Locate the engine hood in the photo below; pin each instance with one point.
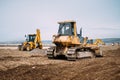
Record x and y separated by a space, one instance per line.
66 40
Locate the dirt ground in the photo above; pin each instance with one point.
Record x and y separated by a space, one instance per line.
34 65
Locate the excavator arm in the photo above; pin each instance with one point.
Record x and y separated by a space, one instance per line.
38 39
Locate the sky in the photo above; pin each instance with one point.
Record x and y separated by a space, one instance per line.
98 18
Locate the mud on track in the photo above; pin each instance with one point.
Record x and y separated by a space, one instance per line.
34 65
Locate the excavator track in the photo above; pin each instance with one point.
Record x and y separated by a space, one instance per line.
85 53
71 54
77 53
50 53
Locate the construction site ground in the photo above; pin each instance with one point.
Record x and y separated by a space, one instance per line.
34 65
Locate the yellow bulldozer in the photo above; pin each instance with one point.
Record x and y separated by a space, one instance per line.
72 45
32 41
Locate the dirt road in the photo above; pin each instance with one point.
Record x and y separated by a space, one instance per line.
34 65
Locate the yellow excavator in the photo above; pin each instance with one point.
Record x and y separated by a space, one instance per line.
98 42
89 42
32 41
72 45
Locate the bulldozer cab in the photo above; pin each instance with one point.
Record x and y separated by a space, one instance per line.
30 37
67 28
67 34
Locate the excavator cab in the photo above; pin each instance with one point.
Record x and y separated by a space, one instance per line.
30 37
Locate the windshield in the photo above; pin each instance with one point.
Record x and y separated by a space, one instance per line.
65 29
30 38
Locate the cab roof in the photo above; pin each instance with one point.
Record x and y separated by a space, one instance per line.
68 21
32 34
